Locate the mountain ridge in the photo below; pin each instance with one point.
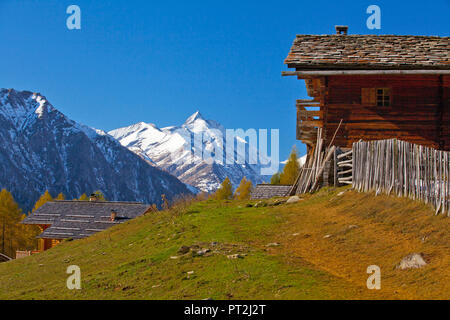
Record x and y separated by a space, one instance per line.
42 150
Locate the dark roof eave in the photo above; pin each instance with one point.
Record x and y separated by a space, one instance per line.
335 67
60 237
36 222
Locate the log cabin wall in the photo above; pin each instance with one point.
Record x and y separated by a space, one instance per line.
445 129
418 111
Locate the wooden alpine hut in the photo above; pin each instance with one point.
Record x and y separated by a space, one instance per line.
380 87
379 113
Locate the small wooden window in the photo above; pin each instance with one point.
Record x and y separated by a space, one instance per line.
380 97
383 97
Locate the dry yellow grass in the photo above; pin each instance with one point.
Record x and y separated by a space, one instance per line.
388 229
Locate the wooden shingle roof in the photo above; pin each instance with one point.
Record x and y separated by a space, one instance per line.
80 219
365 52
267 191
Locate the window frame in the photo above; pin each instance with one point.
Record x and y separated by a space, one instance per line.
385 97
371 96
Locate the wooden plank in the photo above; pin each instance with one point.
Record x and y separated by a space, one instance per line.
345 154
312 123
311 113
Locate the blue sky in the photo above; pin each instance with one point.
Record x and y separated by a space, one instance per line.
160 61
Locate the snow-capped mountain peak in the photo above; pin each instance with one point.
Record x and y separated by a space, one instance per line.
192 118
175 149
197 123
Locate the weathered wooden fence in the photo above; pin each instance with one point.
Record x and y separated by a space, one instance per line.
403 168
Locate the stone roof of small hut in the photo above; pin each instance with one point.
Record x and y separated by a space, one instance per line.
80 219
267 191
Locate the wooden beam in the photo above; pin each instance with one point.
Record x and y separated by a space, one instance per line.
345 172
441 115
306 100
345 161
311 123
322 167
311 113
304 104
335 168
342 155
360 72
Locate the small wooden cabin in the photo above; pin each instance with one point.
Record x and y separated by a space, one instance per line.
380 87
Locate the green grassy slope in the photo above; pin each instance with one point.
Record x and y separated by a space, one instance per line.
140 259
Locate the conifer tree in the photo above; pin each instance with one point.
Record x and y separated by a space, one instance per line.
60 197
164 202
275 178
291 169
243 190
225 191
27 235
83 197
46 197
100 195
10 215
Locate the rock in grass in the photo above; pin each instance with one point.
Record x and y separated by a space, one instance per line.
293 199
235 256
260 204
189 274
273 244
202 252
412 261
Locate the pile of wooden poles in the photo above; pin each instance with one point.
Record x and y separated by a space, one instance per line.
405 169
309 176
